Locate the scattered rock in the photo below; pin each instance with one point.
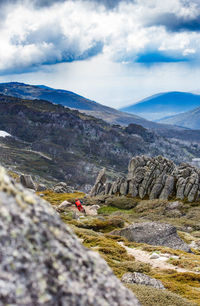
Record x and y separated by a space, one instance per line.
195 245
27 181
42 261
154 256
141 279
41 187
175 213
92 210
173 205
155 234
64 205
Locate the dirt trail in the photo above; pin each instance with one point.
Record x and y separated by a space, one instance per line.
155 263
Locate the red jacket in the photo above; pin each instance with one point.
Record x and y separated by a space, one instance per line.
78 205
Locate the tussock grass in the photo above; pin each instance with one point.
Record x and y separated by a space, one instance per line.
150 296
58 198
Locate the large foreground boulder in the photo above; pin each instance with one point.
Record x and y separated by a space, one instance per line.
42 261
155 234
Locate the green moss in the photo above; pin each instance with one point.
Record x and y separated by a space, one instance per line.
104 226
107 210
122 202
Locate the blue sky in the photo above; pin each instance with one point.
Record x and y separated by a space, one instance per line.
114 52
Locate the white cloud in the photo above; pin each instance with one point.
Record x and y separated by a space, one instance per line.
74 30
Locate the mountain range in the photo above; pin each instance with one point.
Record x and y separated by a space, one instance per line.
164 105
190 119
91 108
74 101
57 143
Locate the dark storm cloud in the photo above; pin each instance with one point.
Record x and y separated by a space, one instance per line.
175 23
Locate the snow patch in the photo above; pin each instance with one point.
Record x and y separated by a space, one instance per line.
4 134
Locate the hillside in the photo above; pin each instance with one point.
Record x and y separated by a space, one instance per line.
163 104
110 115
190 119
57 143
74 101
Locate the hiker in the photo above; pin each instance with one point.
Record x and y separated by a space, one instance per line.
79 206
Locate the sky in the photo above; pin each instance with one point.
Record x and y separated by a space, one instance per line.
115 52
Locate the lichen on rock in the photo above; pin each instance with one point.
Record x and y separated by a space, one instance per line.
42 261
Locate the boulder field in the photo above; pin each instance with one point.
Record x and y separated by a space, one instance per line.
153 178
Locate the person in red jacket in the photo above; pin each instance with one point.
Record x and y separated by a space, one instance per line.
79 206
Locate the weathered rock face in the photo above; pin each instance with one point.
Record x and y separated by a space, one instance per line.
27 181
155 178
155 234
141 279
43 263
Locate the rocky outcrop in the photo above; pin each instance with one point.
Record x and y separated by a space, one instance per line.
42 261
62 187
141 279
27 181
155 178
99 185
155 234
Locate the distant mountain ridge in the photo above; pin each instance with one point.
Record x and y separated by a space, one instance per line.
190 119
164 105
74 101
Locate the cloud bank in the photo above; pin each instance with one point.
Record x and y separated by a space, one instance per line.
36 33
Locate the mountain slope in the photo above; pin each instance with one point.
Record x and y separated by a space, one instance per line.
110 115
66 145
72 100
164 104
189 119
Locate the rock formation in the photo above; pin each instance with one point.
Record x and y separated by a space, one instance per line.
62 187
154 178
42 261
99 184
27 181
155 234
